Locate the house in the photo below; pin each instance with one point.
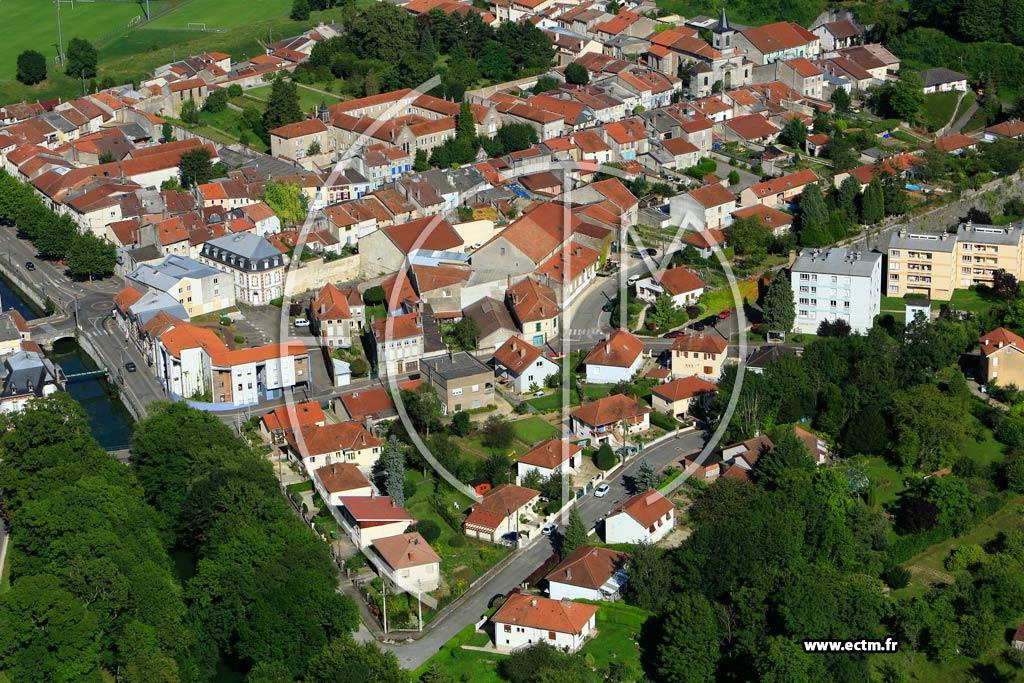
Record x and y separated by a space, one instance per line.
705 242
534 309
955 143
333 482
461 381
777 222
499 512
368 406
199 288
1010 129
836 284
684 154
275 425
553 456
610 420
816 446
745 454
1002 357
183 356
1018 638
781 40
678 396
525 620
246 376
386 250
615 359
494 320
400 343
255 265
522 365
752 128
335 442
407 563
710 206
331 319
706 469
835 35
778 192
699 354
28 375
589 573
644 518
368 518
681 285
943 80
295 141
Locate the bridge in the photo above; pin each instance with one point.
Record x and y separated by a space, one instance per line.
49 330
80 376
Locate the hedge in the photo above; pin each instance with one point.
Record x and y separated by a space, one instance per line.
910 545
664 421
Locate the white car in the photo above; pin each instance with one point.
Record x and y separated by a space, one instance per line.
301 322
548 529
633 279
538 393
602 491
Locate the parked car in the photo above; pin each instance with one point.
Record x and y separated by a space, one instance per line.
633 279
725 314
674 333
608 306
698 326
511 537
602 491
711 320
494 600
301 322
29 265
130 366
538 393
548 529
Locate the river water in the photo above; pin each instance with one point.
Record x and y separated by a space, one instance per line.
109 420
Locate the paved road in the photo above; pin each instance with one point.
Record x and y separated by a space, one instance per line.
474 603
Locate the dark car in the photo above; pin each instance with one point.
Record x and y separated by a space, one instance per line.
698 326
130 366
608 306
29 265
674 333
494 599
711 320
651 252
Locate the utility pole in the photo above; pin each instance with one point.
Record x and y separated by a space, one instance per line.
60 36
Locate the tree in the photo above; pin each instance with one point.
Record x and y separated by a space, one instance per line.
382 31
427 53
498 433
794 133
189 112
195 167
575 533
374 296
1015 475
544 84
929 426
779 310
81 59
462 423
646 477
300 10
605 457
688 649
903 98
872 203
612 7
1004 285
421 162
287 200
576 74
814 218
749 237
393 465
465 127
283 104
313 149
466 333
496 62
31 67
734 177
496 469
167 132
841 98
89 256
790 454
650 577
662 311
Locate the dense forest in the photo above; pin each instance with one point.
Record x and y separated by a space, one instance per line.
94 594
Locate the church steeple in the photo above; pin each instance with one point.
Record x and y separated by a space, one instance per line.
723 33
723 22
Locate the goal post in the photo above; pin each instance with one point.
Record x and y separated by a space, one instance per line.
196 26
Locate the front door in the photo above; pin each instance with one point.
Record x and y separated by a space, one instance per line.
538 339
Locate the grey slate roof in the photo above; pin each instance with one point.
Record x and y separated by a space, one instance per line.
836 262
923 241
243 251
27 372
941 75
457 365
152 302
1008 235
165 275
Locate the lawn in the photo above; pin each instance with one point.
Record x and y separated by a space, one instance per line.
970 300
308 99
220 15
983 452
938 108
553 402
533 429
720 299
886 480
470 665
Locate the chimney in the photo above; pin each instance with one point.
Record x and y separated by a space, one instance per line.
568 574
533 602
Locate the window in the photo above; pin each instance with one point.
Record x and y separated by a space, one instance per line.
537 329
551 635
508 628
457 392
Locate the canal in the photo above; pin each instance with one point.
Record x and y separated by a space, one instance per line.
109 420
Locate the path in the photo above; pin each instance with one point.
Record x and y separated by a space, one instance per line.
962 121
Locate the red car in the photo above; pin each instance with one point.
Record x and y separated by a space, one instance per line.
674 333
725 314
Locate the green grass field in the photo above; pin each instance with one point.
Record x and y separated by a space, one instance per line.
308 99
533 429
32 25
220 15
938 108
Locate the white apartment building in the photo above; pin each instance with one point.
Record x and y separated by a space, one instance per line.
836 284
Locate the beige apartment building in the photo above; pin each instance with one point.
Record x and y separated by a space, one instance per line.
933 265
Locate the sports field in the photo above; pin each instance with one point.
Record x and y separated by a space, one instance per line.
32 25
221 14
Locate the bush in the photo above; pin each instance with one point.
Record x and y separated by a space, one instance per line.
374 296
279 302
605 457
429 530
234 90
239 338
359 367
896 577
457 541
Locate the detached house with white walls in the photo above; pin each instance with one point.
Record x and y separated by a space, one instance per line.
522 365
367 519
525 620
407 563
553 456
610 420
333 482
589 573
333 443
645 518
616 359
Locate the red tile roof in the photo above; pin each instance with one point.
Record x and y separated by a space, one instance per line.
549 454
331 304
533 301
259 353
406 550
300 129
610 409
678 281
620 350
646 508
588 567
705 239
314 439
700 343
341 477
398 327
291 416
369 509
783 184
752 127
771 218
683 388
188 336
431 232
997 339
126 298
367 403
516 354
713 195
778 37
545 614
954 142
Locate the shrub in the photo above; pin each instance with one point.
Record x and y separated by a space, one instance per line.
239 338
429 530
896 577
359 367
457 541
664 421
605 457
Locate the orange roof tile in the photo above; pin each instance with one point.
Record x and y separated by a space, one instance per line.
700 343
620 350
646 508
549 454
609 410
683 388
545 614
405 550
